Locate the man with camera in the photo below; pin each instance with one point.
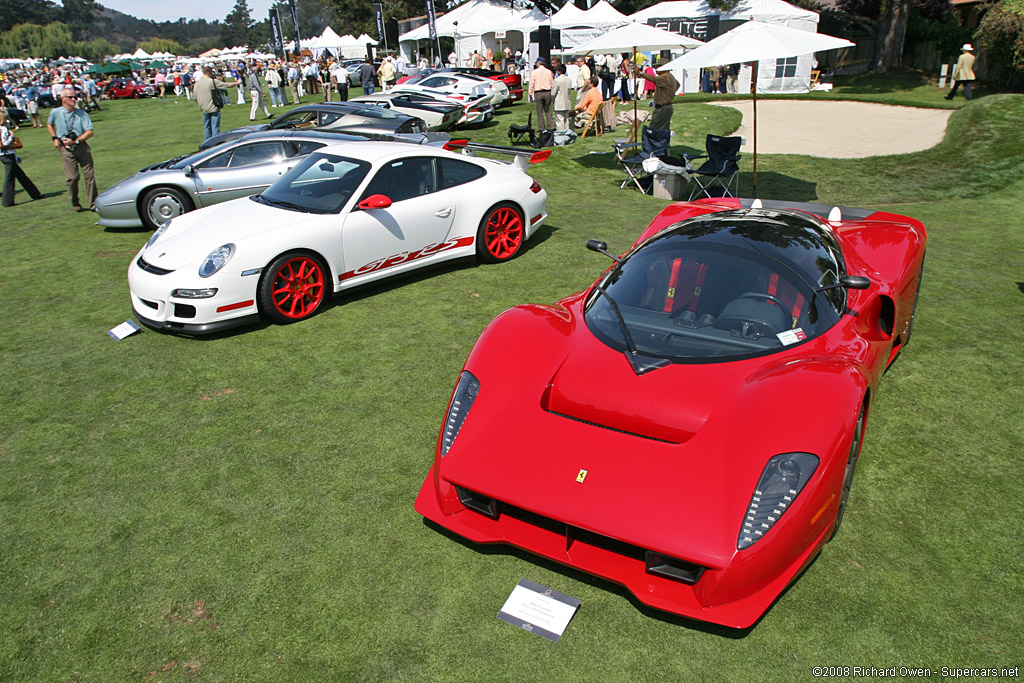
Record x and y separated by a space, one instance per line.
70 127
211 95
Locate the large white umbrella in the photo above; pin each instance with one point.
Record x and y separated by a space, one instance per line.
630 38
752 42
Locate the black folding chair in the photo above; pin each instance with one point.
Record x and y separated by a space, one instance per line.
721 170
654 143
524 134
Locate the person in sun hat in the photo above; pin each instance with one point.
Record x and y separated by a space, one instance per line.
963 72
665 87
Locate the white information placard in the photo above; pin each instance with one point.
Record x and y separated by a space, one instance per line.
126 328
539 609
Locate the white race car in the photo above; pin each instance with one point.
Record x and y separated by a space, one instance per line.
457 83
344 216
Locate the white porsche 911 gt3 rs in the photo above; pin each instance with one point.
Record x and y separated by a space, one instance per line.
340 218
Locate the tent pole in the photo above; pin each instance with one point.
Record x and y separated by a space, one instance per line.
755 129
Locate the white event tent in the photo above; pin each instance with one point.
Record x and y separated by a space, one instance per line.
789 75
480 23
580 26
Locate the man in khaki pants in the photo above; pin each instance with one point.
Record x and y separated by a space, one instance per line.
70 127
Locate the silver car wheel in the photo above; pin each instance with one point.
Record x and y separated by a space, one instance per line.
163 204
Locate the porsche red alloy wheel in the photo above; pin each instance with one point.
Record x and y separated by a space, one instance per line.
502 233
298 287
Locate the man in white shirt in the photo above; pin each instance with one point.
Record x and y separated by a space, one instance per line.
273 83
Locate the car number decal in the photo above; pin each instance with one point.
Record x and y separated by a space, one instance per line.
405 257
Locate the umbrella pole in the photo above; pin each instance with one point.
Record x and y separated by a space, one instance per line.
755 129
636 124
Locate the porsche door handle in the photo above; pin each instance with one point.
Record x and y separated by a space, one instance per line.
443 213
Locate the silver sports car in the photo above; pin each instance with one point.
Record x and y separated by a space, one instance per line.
239 168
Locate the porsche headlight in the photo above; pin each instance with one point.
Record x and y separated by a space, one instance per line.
156 234
465 393
781 482
217 259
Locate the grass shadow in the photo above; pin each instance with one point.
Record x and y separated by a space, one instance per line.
874 84
772 185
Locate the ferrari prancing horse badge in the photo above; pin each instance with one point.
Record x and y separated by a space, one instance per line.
581 476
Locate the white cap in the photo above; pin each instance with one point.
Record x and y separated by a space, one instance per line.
968 47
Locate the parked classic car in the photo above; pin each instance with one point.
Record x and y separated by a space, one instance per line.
122 88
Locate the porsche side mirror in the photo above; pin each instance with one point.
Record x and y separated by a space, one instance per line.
854 282
601 248
375 201
189 171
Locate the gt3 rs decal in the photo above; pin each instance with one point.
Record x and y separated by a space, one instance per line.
405 257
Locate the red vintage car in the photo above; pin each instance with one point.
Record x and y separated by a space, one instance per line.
122 88
689 425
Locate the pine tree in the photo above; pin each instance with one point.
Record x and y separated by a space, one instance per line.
235 29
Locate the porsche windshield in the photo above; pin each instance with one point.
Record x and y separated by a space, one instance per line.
721 287
320 183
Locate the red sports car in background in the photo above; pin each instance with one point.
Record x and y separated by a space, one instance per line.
122 88
513 81
689 425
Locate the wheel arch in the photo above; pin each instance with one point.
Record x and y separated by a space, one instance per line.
304 250
189 194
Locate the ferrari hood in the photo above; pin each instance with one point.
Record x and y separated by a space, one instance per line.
189 238
657 405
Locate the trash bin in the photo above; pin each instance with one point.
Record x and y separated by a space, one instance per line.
668 186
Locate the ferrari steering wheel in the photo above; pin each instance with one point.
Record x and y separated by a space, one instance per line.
770 298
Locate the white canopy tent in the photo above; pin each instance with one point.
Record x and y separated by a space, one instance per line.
478 25
790 74
578 26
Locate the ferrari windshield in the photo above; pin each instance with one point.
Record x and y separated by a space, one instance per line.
321 183
721 287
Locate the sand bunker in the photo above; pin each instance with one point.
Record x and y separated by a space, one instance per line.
839 130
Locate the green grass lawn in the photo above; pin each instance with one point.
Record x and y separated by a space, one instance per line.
241 507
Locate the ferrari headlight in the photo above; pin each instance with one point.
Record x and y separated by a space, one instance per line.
217 259
156 234
781 482
465 393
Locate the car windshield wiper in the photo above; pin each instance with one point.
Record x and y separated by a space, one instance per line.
287 205
631 354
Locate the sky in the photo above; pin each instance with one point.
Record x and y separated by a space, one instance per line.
172 10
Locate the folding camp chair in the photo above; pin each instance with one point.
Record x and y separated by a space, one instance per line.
524 134
596 122
721 170
654 144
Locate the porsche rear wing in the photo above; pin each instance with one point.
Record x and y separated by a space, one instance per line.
522 158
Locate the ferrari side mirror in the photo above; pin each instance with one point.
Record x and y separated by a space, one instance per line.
189 171
854 282
601 248
375 201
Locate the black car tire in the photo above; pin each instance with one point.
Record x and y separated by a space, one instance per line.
161 204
